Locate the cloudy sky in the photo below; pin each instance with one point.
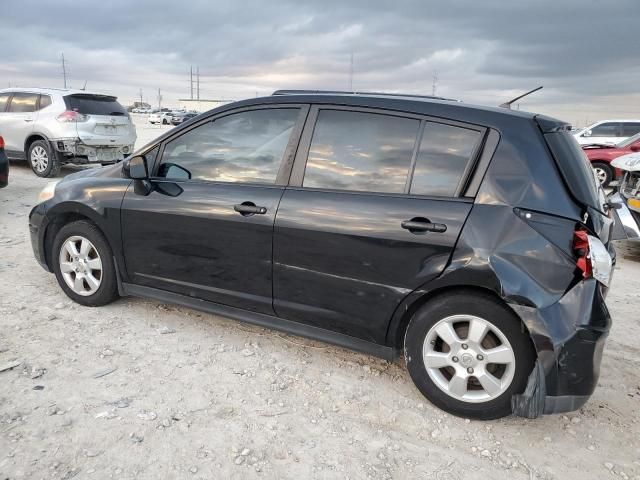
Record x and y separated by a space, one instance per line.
586 53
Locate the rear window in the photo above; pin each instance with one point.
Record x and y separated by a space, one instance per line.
575 168
94 104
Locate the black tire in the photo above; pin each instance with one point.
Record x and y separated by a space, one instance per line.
107 292
490 310
34 157
606 170
165 122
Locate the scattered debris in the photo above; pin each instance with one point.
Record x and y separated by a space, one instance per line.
104 372
166 330
147 415
9 366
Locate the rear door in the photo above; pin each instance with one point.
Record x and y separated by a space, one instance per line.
106 124
372 212
206 227
18 121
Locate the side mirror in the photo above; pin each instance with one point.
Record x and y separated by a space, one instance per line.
137 168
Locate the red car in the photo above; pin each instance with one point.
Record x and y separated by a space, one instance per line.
601 156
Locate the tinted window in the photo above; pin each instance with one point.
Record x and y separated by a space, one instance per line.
4 98
442 158
243 147
360 151
45 101
630 129
94 104
606 130
23 102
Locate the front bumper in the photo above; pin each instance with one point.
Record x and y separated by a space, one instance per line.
4 169
569 337
38 223
627 223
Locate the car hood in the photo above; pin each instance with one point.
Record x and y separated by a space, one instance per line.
630 162
111 171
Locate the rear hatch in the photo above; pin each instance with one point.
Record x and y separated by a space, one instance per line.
579 178
107 122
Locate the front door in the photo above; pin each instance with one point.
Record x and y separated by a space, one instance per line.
18 121
373 213
205 229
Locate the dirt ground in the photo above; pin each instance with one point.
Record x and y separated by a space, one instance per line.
139 389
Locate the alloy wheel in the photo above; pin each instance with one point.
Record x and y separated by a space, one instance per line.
601 174
469 358
80 265
39 159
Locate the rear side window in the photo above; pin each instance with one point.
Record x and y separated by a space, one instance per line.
94 105
360 151
23 102
442 159
45 101
630 129
4 99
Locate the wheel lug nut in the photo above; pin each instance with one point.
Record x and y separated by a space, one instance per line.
469 370
465 346
480 357
455 359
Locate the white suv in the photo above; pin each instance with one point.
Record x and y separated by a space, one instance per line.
607 132
50 127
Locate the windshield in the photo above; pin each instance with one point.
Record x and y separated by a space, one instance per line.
94 104
629 141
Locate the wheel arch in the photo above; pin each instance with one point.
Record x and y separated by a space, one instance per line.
33 137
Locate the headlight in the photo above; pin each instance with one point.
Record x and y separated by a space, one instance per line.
48 192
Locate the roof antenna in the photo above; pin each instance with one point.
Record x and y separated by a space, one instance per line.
508 104
85 86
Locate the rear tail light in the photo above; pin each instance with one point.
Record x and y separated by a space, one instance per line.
593 258
71 116
1 143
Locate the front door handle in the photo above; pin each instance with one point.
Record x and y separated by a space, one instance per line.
416 225
249 208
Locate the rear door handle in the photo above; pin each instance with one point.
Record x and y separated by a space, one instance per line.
28 119
423 226
248 208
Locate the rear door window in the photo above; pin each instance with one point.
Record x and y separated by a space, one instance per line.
94 105
629 129
608 129
23 102
360 151
445 151
4 99
45 101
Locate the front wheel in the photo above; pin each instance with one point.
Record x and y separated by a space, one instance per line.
468 355
43 160
83 264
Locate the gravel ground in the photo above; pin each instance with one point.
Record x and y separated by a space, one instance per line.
146 390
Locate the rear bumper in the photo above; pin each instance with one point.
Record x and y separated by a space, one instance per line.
569 337
74 150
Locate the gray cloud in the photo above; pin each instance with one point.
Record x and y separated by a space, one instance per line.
583 51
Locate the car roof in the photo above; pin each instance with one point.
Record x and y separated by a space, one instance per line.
52 91
482 115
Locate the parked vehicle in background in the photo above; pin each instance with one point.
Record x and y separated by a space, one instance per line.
608 132
627 197
181 117
50 127
473 241
161 117
601 156
4 165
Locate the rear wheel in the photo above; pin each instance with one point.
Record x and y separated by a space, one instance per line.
468 355
604 173
42 159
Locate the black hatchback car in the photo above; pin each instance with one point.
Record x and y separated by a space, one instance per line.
473 240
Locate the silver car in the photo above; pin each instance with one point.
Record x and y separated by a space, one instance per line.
50 127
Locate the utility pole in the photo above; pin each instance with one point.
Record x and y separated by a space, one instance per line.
141 97
64 71
198 79
159 100
434 86
191 81
351 74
